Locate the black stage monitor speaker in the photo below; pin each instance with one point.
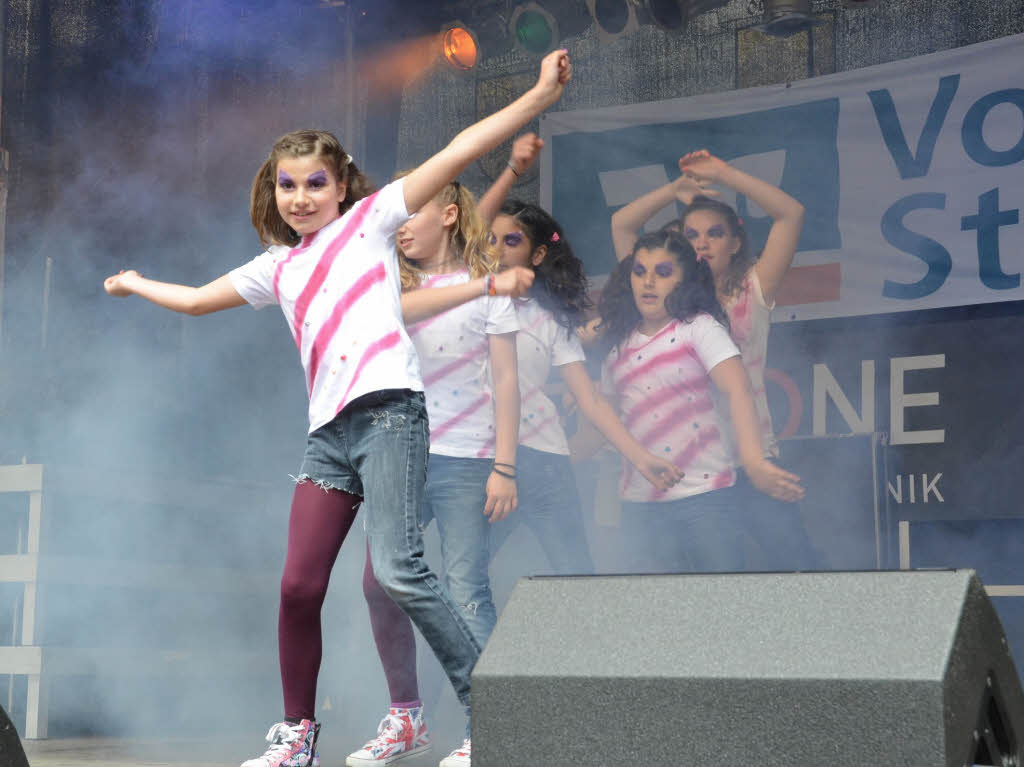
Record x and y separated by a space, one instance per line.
11 752
773 670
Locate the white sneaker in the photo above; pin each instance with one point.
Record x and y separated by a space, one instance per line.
291 745
401 734
457 758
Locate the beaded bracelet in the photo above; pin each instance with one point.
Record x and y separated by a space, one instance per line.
489 288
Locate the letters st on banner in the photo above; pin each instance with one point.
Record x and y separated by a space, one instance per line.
912 174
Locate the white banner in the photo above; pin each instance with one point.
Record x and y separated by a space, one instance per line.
912 174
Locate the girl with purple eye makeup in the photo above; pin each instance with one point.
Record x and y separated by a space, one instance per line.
746 284
670 359
331 265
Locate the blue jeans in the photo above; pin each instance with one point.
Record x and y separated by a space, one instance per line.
455 496
377 448
549 505
701 533
777 528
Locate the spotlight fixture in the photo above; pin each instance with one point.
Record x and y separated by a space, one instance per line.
459 46
783 18
670 15
538 28
614 18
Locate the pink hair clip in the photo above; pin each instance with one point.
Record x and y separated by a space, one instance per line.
740 220
555 237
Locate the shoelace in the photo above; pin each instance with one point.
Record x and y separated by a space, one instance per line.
390 722
281 737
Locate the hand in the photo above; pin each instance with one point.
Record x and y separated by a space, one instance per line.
555 72
687 187
513 282
776 482
703 167
588 333
120 284
524 152
659 472
502 497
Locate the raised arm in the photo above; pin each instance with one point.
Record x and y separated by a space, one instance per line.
524 152
212 297
423 184
598 411
731 379
787 214
502 495
628 222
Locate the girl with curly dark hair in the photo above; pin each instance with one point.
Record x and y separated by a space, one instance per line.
671 356
525 235
746 283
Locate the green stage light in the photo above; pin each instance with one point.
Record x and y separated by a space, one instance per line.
534 29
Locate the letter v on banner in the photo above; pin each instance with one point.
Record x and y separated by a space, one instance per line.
913 165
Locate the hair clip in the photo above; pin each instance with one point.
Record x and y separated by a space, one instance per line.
739 220
555 237
348 159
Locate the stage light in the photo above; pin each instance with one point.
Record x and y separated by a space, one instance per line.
534 29
613 17
538 28
670 15
783 18
459 46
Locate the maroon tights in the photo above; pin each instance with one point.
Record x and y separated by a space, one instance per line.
320 520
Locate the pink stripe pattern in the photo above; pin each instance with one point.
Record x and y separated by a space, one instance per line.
327 332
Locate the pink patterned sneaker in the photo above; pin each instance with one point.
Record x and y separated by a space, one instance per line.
459 757
401 734
291 745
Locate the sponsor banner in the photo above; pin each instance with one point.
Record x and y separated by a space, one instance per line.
912 174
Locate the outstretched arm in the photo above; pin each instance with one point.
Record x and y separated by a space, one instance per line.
786 213
524 151
212 297
659 472
423 184
731 379
628 222
421 304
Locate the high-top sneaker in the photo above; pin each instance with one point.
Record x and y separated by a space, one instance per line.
291 745
459 757
401 734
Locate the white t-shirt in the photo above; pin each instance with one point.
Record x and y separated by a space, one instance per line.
750 319
454 352
340 293
540 345
666 398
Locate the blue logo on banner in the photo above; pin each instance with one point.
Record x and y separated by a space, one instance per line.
807 132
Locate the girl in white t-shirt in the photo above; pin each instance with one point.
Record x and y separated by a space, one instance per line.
526 235
468 360
331 267
746 284
670 356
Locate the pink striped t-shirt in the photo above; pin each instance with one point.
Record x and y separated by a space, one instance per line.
666 399
750 319
340 293
454 353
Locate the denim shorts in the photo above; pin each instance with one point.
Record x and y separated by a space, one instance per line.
334 451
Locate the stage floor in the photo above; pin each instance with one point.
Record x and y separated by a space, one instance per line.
131 752
177 752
